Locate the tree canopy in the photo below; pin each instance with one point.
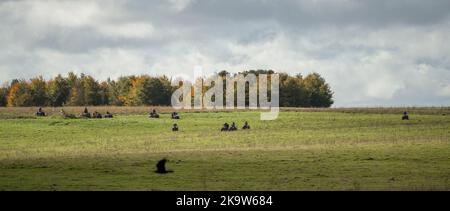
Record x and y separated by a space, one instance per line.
84 90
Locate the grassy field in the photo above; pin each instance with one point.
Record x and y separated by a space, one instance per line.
301 150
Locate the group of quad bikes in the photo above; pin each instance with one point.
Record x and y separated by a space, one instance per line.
154 114
174 115
85 114
233 127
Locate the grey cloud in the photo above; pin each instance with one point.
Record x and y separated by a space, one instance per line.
372 52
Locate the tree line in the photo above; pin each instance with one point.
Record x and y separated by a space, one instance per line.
84 90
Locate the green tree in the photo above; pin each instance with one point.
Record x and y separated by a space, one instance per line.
319 91
38 89
91 91
104 93
3 96
146 90
58 91
293 93
158 91
223 73
111 92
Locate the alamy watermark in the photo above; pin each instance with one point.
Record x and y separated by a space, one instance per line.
240 91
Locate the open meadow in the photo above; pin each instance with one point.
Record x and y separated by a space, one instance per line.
304 149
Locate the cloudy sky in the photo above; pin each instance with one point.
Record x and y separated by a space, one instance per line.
373 53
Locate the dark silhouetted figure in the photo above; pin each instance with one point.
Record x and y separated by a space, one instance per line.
405 116
225 127
40 112
153 114
86 113
108 115
161 167
175 115
246 126
97 115
175 127
233 127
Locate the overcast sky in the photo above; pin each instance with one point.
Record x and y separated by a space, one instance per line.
373 53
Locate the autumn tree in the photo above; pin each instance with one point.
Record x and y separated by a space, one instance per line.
120 90
75 94
137 94
83 90
19 94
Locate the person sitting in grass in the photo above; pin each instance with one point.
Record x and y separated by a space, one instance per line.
233 127
175 115
246 126
86 113
175 127
153 114
108 115
40 112
405 116
225 127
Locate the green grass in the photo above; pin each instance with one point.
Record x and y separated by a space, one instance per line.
298 151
